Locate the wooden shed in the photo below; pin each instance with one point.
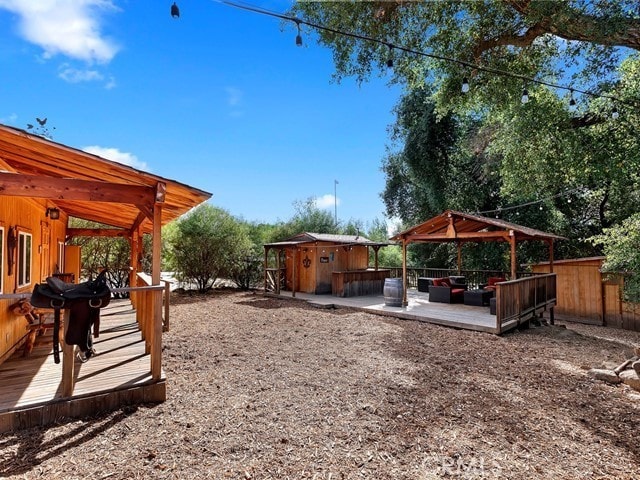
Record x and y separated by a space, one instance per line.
324 263
42 185
587 295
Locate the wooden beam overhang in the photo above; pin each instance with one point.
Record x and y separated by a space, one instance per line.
19 185
461 236
97 232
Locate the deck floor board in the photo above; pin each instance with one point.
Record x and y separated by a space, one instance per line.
120 363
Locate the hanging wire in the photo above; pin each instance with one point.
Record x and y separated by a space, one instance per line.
434 56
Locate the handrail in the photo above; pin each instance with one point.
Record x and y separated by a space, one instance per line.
519 300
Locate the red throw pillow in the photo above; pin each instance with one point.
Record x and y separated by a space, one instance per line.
494 280
446 282
437 282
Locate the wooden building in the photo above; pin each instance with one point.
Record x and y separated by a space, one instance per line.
324 263
42 185
587 295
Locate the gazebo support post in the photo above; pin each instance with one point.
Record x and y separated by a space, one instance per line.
459 245
512 242
404 273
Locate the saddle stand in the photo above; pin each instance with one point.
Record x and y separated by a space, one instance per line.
84 301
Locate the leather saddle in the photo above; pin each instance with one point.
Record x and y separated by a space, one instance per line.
83 300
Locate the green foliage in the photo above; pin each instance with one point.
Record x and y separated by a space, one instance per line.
209 244
621 245
307 218
98 253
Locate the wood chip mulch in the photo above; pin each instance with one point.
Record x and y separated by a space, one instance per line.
273 388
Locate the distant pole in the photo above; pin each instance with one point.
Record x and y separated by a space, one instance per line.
335 202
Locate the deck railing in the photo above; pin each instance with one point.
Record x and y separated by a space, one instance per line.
474 278
517 301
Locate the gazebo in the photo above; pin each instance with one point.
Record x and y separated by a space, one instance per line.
461 228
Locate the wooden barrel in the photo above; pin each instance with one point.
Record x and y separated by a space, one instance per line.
393 292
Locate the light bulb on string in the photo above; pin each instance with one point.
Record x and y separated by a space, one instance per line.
390 58
299 36
615 114
525 96
175 11
465 85
572 101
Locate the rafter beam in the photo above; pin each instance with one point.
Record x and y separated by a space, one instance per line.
97 232
18 185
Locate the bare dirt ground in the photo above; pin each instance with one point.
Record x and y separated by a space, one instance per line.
264 388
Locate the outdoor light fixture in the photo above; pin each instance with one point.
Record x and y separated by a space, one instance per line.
175 11
390 58
465 85
299 36
572 101
525 96
53 213
614 113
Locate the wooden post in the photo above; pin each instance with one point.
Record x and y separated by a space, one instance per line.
514 267
459 245
376 248
167 296
293 281
67 359
156 329
405 301
552 319
133 264
278 255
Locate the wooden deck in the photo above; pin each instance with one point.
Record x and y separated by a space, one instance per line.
450 315
30 387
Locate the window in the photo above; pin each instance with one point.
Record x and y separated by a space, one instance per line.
24 259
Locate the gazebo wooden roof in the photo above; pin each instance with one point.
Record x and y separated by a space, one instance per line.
453 226
459 227
87 186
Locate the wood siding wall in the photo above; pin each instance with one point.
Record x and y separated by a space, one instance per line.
585 295
322 259
578 289
26 216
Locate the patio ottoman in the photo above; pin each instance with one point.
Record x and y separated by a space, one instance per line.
424 283
478 298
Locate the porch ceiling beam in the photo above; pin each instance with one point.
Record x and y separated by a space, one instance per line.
468 236
97 232
18 185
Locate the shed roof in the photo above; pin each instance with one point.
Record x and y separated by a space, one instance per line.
31 155
307 237
451 226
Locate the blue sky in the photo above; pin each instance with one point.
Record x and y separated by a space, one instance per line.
220 99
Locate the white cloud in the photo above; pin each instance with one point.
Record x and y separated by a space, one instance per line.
66 27
117 156
326 201
74 75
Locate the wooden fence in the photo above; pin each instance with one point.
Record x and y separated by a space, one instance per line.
517 301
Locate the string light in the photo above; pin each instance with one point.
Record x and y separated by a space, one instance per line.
572 101
424 54
390 58
525 96
465 85
299 36
175 11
